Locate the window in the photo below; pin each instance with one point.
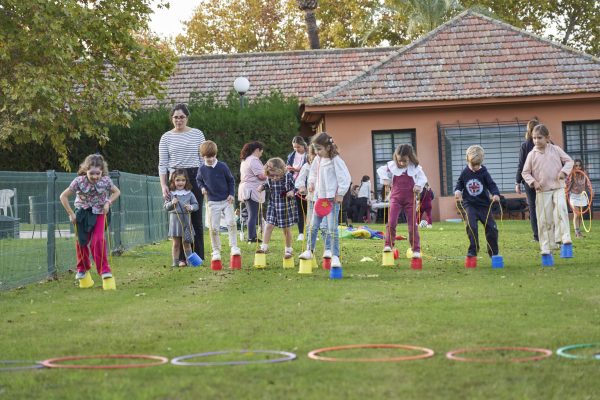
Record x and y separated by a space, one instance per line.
501 142
384 144
582 140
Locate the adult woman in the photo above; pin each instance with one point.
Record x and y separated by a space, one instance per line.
526 147
178 149
363 199
295 160
252 176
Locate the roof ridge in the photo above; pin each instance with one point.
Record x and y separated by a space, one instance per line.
289 52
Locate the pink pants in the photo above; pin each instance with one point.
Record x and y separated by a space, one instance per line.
97 243
406 203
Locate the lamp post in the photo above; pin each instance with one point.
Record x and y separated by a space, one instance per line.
241 85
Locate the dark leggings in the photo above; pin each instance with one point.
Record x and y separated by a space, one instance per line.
301 206
530 192
196 217
252 207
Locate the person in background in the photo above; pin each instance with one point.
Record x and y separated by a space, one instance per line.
426 207
363 199
526 148
578 197
252 176
295 160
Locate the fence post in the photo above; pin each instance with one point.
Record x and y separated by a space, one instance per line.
117 220
51 213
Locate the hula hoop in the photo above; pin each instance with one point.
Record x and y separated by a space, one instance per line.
179 360
426 353
10 362
563 351
544 353
51 362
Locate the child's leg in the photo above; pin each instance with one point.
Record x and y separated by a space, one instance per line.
390 231
314 231
175 249
287 233
413 227
491 234
267 236
472 232
563 229
332 230
428 216
544 210
99 246
231 227
187 249
83 256
214 210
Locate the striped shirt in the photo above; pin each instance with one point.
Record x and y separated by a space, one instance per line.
179 150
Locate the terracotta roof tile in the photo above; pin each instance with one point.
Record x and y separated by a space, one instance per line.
471 56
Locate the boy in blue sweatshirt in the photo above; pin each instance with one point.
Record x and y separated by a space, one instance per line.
216 182
473 187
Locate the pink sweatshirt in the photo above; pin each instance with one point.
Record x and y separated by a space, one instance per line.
544 167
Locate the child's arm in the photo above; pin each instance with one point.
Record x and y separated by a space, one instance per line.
312 174
459 187
230 183
527 173
193 205
343 178
200 181
492 187
115 193
300 183
567 163
384 174
169 205
64 200
289 185
420 180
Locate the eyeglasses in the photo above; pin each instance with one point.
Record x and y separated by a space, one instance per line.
179 117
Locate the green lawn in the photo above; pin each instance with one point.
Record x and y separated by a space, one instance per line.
170 312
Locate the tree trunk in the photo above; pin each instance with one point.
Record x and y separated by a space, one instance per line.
311 27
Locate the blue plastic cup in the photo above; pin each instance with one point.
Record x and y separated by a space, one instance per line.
497 261
335 273
566 250
195 260
547 260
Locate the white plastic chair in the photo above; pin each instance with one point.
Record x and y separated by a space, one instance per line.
6 196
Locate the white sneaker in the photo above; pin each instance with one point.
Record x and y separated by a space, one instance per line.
327 254
235 251
307 255
423 224
300 237
106 275
288 252
416 254
335 261
264 247
429 226
216 255
80 275
387 248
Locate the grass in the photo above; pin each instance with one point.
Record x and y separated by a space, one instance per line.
159 310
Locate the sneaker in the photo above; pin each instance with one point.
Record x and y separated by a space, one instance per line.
106 275
335 262
288 252
327 254
216 255
80 275
182 263
300 237
307 255
250 241
429 226
578 235
235 251
423 224
416 254
387 248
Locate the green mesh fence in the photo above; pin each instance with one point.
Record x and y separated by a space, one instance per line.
37 240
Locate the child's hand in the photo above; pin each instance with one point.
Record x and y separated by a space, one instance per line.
106 208
311 187
417 189
536 186
339 199
496 198
518 188
72 218
230 199
562 176
458 195
204 191
175 200
386 182
188 207
260 188
290 193
302 191
290 168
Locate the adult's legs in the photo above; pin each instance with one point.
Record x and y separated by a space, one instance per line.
531 195
252 207
301 207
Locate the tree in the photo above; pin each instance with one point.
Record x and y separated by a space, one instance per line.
70 68
308 7
426 15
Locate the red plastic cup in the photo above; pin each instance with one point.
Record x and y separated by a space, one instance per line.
326 263
416 263
235 262
470 262
396 254
216 265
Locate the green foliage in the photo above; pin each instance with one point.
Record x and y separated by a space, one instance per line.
70 69
270 118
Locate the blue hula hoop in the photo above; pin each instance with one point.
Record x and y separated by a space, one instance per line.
180 360
36 365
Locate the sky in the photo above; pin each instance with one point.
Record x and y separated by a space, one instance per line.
168 22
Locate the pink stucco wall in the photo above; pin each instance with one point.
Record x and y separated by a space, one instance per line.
352 133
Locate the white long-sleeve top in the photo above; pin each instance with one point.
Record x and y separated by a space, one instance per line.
391 169
365 190
302 177
330 177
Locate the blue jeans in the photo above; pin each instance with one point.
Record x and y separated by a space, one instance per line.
332 237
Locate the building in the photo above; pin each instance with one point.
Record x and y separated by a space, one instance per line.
473 80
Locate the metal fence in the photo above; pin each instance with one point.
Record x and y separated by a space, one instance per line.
37 240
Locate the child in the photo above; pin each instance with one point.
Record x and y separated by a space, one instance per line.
472 189
425 207
577 198
363 199
281 211
182 202
407 179
94 193
545 170
328 181
215 180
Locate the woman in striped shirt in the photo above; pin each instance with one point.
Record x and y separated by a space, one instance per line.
178 149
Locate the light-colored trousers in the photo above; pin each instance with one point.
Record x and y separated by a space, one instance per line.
553 219
215 210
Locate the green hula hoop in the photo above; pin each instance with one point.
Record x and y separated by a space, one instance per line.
563 351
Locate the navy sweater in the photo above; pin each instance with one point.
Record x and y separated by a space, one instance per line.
217 181
475 187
